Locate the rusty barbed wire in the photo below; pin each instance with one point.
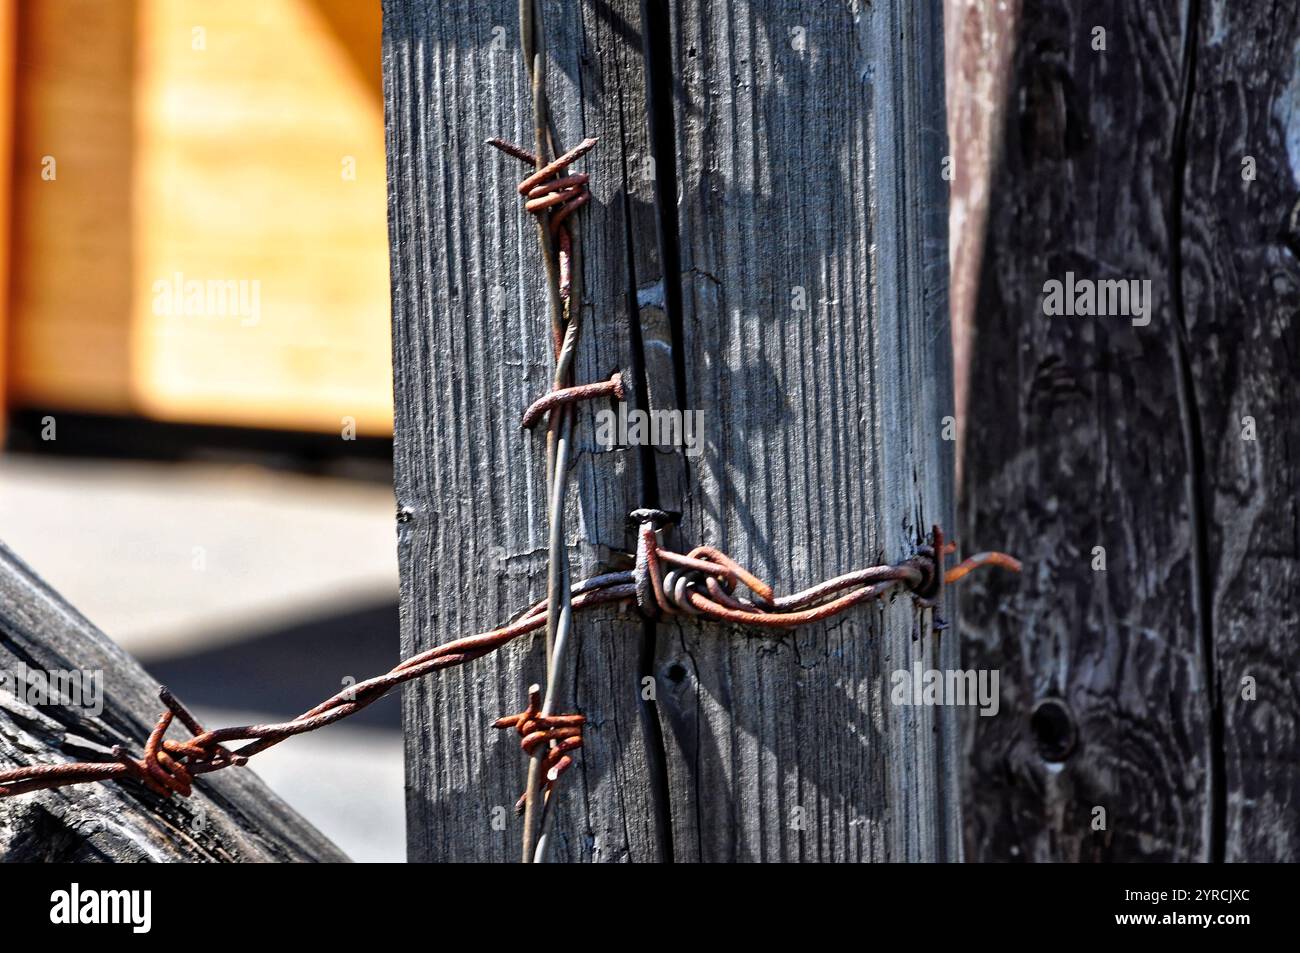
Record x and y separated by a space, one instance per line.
703 582
552 194
563 733
553 197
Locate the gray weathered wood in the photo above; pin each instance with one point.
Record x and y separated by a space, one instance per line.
471 351
814 168
812 176
1088 431
232 816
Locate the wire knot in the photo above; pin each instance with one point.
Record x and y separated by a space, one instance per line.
563 733
705 581
168 767
549 191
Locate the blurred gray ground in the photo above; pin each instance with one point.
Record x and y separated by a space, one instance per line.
251 593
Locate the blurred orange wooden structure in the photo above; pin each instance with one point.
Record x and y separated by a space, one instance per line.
198 229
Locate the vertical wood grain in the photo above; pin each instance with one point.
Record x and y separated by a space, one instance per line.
1089 431
814 168
1241 287
816 344
471 351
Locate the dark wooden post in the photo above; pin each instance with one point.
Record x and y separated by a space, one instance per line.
766 245
1146 472
231 816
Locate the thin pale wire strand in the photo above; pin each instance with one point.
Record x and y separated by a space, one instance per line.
565 329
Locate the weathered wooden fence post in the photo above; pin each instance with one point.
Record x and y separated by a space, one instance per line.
766 248
1142 462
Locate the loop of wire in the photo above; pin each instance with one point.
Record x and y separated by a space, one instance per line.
563 733
704 582
548 191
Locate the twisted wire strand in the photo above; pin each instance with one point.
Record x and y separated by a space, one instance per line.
704 583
